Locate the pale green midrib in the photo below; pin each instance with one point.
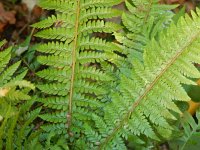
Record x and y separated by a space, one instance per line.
69 114
149 88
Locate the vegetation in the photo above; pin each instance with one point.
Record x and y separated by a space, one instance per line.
102 84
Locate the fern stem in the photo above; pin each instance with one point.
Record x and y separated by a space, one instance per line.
145 93
69 114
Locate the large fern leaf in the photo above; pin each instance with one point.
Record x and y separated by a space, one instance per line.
76 81
145 102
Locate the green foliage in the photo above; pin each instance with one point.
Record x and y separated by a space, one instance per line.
143 21
49 141
93 93
13 90
76 80
144 105
190 133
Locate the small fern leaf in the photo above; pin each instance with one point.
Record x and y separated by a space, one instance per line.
4 58
143 21
7 74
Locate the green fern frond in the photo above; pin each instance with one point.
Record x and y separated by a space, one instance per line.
63 6
30 116
99 26
98 44
76 82
5 77
19 126
9 83
146 98
55 75
54 88
56 48
99 3
61 34
94 74
65 19
143 21
190 132
13 89
2 43
49 141
4 58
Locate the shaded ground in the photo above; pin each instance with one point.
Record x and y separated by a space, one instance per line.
15 20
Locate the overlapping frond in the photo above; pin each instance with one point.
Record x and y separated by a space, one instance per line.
76 81
189 133
145 102
143 20
13 89
9 83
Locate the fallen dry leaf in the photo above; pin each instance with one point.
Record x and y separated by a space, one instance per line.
3 92
6 17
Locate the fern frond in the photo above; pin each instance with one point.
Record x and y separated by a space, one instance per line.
30 116
13 89
99 44
22 83
99 3
99 26
189 138
2 43
53 74
56 48
55 61
143 103
61 34
53 20
48 141
94 74
143 21
7 74
76 83
55 88
63 6
98 13
4 58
